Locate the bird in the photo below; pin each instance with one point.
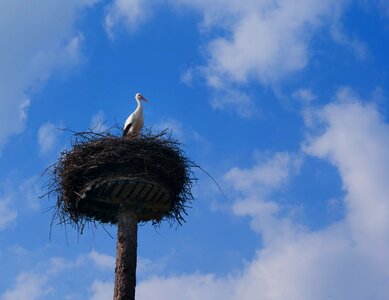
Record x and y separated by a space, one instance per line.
134 122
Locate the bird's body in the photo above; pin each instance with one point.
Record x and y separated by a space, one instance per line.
134 122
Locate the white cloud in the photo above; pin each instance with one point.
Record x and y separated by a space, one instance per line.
359 48
235 100
187 77
34 285
17 250
185 135
25 192
346 260
73 49
129 13
7 214
30 190
257 185
356 140
173 126
60 264
189 287
304 95
47 137
98 122
101 260
28 286
261 41
101 290
36 41
265 41
265 175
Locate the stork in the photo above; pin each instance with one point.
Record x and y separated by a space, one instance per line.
134 122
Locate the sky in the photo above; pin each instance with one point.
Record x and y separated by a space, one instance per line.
284 103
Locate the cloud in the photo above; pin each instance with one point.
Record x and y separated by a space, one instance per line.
347 259
101 290
36 41
19 191
359 48
235 100
47 137
102 261
7 214
186 135
30 190
257 186
173 126
265 175
264 41
73 49
128 13
304 95
98 122
28 286
187 77
189 287
99 260
356 141
37 283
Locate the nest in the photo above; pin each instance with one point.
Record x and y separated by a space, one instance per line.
101 164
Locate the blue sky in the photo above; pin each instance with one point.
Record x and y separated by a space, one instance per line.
283 102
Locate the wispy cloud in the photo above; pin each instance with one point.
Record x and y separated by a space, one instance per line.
359 48
265 41
7 214
267 175
30 189
174 126
35 284
101 290
128 13
356 141
47 137
346 260
305 95
255 41
101 260
29 60
27 286
234 100
186 135
97 122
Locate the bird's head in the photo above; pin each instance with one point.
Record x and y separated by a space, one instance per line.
139 97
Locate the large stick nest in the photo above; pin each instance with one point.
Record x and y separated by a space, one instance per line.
96 157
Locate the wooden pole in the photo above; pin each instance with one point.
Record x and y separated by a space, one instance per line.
125 271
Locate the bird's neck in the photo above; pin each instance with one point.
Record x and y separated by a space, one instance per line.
139 109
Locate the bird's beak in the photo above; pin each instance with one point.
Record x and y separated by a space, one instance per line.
144 99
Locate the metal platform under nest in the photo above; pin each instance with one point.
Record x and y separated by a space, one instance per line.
103 200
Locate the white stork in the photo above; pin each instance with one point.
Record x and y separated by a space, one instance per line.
134 122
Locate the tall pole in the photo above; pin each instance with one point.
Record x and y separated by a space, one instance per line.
125 271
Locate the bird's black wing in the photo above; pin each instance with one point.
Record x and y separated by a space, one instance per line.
125 131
